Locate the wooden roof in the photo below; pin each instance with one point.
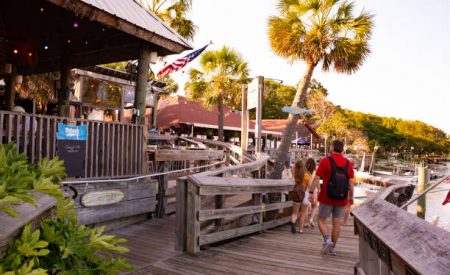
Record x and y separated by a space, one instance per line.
37 35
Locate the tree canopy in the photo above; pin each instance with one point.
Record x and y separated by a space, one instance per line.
218 82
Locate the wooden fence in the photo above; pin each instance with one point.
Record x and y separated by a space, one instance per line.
204 215
393 241
112 149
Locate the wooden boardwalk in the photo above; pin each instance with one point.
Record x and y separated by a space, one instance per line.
275 251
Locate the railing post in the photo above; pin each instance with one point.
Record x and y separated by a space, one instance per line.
162 187
180 222
193 225
423 179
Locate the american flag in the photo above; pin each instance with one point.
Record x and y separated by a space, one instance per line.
180 63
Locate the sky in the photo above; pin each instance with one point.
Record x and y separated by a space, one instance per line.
406 76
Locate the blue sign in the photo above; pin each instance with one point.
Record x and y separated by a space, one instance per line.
296 110
67 132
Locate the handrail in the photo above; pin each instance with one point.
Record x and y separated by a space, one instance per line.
144 176
203 217
424 192
395 241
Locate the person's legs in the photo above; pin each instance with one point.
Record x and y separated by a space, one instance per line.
338 213
313 213
303 213
335 230
324 212
294 215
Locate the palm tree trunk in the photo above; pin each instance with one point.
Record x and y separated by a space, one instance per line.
220 116
291 124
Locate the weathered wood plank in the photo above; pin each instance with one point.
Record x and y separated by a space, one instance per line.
132 189
182 155
193 225
10 227
389 229
180 221
231 213
93 215
232 233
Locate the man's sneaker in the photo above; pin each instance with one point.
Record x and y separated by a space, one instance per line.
293 230
326 247
333 251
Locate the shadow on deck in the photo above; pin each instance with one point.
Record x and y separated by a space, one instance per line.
276 251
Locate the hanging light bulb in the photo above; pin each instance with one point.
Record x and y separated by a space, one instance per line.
15 51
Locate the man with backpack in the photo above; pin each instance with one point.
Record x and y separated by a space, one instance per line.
337 175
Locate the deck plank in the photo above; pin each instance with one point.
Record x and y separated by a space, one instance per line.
275 251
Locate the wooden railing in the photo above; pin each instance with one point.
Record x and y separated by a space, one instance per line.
393 241
227 203
112 149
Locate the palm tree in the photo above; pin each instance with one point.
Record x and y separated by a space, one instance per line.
218 81
173 12
317 31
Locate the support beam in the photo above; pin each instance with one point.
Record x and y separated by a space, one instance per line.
141 83
11 90
244 121
155 108
63 98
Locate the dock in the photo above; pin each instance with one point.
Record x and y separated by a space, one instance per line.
275 251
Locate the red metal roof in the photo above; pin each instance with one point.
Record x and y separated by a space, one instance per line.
176 110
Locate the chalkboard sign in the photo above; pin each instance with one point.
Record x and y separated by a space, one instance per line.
73 153
71 145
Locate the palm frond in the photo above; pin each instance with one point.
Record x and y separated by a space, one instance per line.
321 31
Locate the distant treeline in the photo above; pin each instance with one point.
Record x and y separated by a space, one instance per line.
362 131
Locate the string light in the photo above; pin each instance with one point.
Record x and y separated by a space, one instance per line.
75 24
85 42
30 54
41 10
45 47
68 41
15 51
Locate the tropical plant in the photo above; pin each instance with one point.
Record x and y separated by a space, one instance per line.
40 88
219 80
59 245
317 31
174 13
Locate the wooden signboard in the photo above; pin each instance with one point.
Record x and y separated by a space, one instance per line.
99 198
71 147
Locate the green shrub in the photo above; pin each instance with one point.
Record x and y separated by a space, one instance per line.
59 245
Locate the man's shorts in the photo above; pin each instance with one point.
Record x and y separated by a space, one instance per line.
325 210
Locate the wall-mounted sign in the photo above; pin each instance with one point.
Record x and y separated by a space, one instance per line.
296 110
67 132
99 198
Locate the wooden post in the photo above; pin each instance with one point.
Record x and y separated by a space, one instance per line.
63 98
258 124
423 179
11 90
141 83
219 203
244 121
163 185
155 108
192 223
180 221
